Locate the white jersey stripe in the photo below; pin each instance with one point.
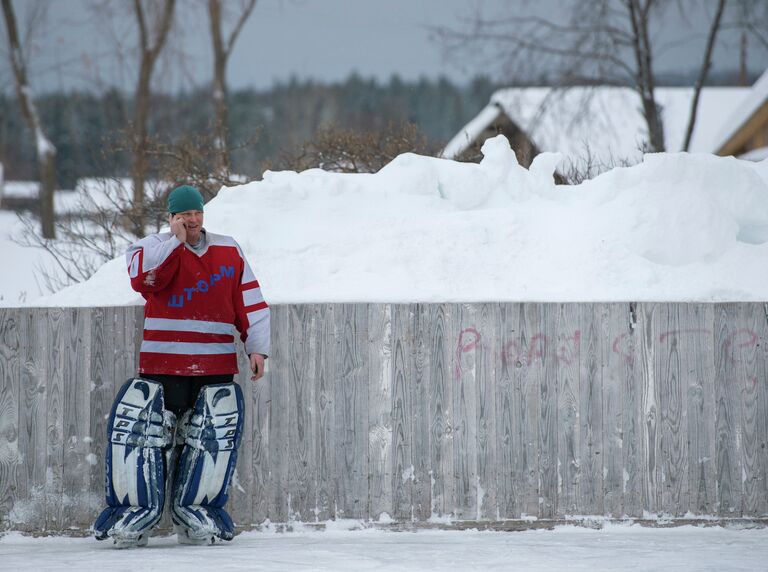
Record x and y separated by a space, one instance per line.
251 297
252 316
186 348
173 325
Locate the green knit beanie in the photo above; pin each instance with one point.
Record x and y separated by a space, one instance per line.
184 198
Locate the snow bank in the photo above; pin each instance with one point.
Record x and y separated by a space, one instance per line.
22 277
677 227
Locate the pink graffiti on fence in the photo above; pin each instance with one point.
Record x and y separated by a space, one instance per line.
569 346
624 346
463 347
537 348
568 352
675 333
730 342
512 354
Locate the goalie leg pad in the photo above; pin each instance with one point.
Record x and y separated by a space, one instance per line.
138 430
211 433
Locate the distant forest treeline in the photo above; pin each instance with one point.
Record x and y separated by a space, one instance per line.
84 125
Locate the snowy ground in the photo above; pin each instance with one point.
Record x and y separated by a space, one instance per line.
22 280
616 547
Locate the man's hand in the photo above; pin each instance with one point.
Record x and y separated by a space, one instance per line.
257 366
178 227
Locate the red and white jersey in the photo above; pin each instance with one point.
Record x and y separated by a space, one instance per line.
195 304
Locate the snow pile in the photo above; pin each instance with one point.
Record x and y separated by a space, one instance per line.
677 227
22 278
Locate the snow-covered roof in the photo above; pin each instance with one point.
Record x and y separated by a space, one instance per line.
759 154
603 126
471 131
757 96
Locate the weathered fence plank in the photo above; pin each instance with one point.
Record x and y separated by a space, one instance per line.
301 434
743 351
241 491
508 442
762 406
279 445
10 457
625 360
527 356
649 408
29 512
698 360
79 504
473 411
487 351
402 416
546 364
325 405
351 412
440 413
671 378
101 395
591 416
727 416
614 322
258 463
380 374
568 394
420 371
54 487
464 405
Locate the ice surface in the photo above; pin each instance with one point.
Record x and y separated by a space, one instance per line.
616 547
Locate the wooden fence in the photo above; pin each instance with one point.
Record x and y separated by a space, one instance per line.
421 411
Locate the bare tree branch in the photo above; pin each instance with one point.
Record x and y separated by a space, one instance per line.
150 49
705 66
46 151
222 49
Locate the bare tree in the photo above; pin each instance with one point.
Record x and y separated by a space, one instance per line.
347 151
752 18
601 42
222 49
639 12
703 72
99 223
154 24
46 151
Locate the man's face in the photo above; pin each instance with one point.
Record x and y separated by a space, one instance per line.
193 222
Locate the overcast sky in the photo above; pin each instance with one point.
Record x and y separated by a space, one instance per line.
324 40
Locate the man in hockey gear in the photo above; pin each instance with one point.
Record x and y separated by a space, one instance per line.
139 430
210 434
199 292
199 289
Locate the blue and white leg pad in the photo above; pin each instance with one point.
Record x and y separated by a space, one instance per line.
139 429
211 434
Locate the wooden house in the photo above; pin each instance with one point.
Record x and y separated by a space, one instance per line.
594 128
745 132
